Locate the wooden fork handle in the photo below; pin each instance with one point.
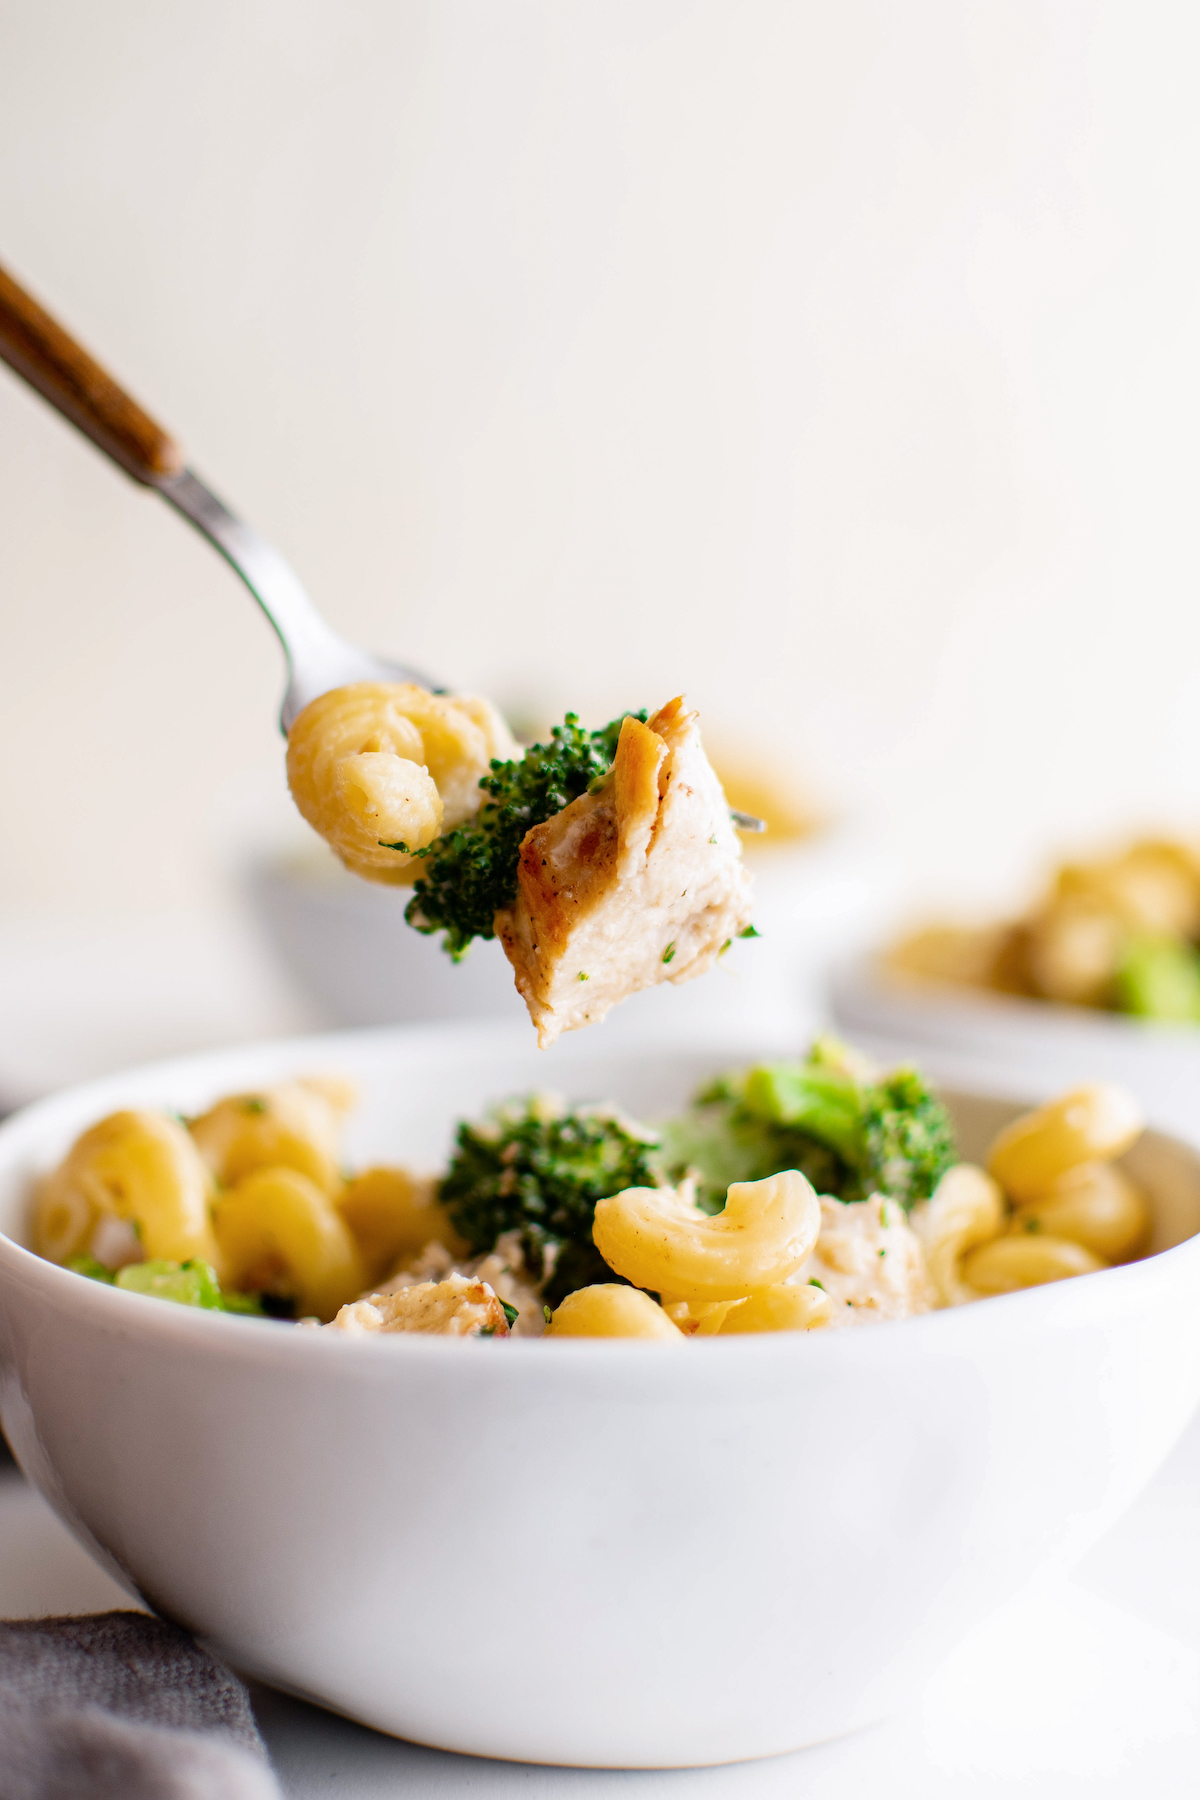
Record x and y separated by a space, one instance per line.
50 360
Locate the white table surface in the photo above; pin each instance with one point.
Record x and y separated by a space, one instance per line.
1087 1689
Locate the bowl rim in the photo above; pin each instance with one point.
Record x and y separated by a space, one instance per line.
1049 1306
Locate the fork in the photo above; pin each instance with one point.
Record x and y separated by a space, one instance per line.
50 360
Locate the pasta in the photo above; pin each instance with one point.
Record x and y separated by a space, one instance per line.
380 769
780 1308
138 1167
658 1239
247 1210
392 1215
294 1125
1074 1212
965 1211
1008 1263
1096 1205
609 1310
1090 1124
276 1223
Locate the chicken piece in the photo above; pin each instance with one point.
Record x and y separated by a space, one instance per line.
455 1307
638 883
503 1269
869 1261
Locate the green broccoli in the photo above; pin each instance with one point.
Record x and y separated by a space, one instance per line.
851 1132
1159 978
192 1283
538 1168
471 872
88 1265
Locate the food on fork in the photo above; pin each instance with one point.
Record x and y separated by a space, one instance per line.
638 881
605 861
791 1197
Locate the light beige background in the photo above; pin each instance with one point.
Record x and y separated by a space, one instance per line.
835 362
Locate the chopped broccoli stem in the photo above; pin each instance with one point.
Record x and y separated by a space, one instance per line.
539 1169
192 1283
471 872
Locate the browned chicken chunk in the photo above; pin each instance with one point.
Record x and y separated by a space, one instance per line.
455 1307
638 883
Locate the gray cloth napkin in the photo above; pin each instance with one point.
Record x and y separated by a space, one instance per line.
120 1706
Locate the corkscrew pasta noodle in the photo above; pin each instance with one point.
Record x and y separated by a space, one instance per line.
1089 1124
780 1308
1094 1204
609 1310
141 1167
380 764
296 1124
1009 1263
658 1239
276 1222
392 1214
965 1210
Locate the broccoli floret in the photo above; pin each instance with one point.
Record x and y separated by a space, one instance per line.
537 1168
907 1139
1159 978
471 872
852 1133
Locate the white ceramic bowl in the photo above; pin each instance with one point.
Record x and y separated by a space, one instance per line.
1028 1045
583 1552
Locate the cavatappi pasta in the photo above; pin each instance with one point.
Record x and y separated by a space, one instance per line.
244 1207
1050 1205
381 769
247 1207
